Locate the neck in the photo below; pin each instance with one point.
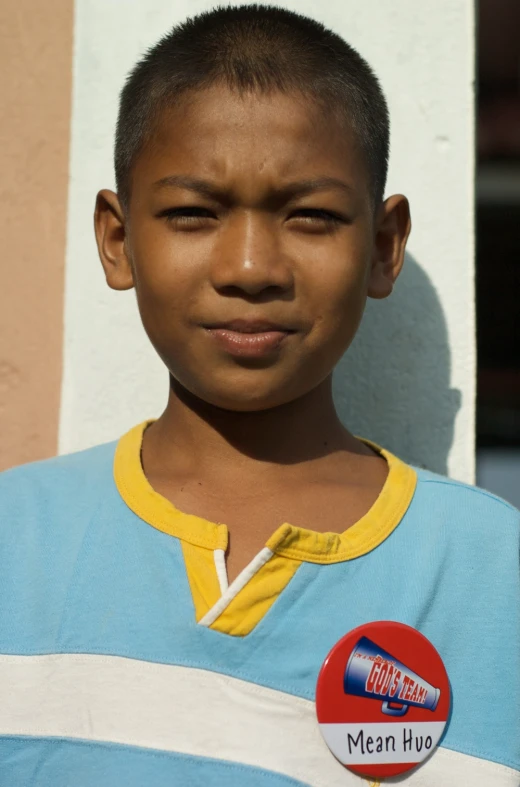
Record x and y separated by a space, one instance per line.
300 431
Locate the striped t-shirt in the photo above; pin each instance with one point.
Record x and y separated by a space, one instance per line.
126 659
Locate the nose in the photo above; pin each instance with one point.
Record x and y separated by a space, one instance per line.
248 258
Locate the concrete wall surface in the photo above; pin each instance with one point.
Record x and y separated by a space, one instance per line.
408 380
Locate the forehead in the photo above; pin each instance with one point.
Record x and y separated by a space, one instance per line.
220 134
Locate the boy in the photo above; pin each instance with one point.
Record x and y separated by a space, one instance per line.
147 643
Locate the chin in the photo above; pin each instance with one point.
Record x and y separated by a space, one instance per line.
237 395
243 401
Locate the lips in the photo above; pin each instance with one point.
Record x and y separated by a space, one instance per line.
249 338
250 326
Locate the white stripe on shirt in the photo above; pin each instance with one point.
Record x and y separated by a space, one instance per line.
196 712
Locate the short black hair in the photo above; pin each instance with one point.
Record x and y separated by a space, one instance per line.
248 48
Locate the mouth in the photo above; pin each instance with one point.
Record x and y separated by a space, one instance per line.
249 338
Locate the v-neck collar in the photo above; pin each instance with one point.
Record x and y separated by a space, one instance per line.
288 540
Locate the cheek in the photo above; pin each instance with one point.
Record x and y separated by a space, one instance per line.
166 280
340 295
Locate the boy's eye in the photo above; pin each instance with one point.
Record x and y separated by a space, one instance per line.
188 217
317 217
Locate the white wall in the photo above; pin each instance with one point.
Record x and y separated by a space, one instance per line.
408 380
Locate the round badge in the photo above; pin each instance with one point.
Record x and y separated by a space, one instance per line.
382 699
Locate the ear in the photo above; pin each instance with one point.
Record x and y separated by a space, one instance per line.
110 228
392 227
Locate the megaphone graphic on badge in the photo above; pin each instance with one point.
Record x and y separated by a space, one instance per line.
373 673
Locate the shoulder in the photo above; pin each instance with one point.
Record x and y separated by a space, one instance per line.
73 477
465 512
458 494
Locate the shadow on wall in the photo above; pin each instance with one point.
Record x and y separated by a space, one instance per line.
393 384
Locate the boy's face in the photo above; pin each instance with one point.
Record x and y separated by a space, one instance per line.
252 244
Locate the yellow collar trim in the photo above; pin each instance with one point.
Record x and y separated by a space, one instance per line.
362 537
141 497
287 541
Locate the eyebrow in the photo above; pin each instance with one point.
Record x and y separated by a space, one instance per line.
288 191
